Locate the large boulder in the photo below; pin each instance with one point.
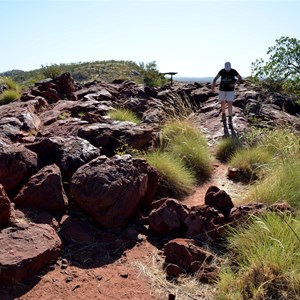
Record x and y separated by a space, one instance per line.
25 250
17 164
111 190
112 136
68 153
44 190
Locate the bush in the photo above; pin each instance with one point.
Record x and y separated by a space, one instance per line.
123 114
265 256
10 83
226 148
175 178
282 143
52 71
188 144
251 163
8 96
281 184
150 75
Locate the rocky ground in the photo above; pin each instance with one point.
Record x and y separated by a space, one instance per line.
58 135
120 278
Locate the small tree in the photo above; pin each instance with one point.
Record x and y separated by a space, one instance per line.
151 76
282 70
51 71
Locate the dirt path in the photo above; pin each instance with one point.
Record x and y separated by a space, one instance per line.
235 190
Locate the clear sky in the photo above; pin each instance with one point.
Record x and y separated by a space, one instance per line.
193 38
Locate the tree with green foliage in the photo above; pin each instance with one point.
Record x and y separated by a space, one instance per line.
52 71
150 74
282 70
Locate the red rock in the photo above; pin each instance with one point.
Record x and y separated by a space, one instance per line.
25 250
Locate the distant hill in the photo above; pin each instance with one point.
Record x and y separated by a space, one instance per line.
86 71
89 71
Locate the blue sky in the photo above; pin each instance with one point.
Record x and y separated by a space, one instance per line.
193 38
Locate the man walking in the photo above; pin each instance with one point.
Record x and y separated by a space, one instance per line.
226 89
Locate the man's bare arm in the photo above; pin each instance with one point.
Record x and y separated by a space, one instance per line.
214 82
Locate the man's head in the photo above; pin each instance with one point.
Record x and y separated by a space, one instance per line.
227 66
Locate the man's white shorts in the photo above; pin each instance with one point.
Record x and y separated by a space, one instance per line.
226 96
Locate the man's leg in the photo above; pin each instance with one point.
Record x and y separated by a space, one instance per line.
229 112
229 108
223 107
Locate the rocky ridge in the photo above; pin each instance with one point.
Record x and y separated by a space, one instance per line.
62 186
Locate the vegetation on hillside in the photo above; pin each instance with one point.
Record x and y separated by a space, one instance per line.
110 70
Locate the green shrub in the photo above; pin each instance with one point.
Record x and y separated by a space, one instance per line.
10 83
123 114
265 258
281 184
8 96
251 163
177 129
174 176
226 148
52 71
150 74
282 143
188 144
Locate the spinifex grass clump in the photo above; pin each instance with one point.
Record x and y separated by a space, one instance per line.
8 96
11 84
281 184
226 148
174 175
187 143
263 262
252 162
124 114
12 93
282 143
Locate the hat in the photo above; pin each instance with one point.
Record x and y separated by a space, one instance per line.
227 66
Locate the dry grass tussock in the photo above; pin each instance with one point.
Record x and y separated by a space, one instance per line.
184 287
